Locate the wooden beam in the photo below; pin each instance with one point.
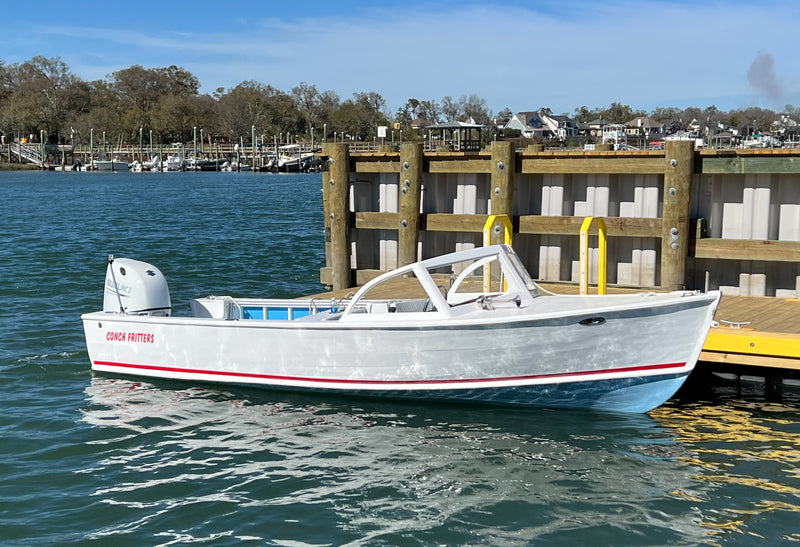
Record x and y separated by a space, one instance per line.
738 165
368 220
459 164
747 249
381 166
750 342
528 224
593 165
617 226
749 360
443 222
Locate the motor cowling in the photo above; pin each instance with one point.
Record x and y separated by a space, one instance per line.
135 288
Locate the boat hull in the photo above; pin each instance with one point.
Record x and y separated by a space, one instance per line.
108 165
632 360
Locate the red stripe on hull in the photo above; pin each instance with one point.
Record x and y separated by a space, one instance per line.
665 367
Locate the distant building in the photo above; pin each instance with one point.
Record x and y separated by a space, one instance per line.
592 130
529 124
420 123
537 124
462 136
644 126
786 127
561 127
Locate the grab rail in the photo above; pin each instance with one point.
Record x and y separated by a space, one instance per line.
602 255
493 224
233 310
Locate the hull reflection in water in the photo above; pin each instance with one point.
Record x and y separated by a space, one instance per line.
369 471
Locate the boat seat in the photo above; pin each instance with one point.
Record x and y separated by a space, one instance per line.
406 306
321 316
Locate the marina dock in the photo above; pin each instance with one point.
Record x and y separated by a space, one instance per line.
676 219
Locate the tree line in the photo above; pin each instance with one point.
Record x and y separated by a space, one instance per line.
43 95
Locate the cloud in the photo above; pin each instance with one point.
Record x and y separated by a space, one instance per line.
561 54
761 75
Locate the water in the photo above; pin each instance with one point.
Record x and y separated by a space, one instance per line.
93 459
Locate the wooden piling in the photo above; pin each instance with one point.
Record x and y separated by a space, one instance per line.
410 194
337 188
675 237
502 168
326 209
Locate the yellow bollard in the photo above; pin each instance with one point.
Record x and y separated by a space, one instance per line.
602 253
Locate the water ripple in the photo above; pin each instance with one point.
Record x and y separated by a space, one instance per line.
374 475
87 458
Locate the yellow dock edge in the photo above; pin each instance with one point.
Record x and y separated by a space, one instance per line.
752 348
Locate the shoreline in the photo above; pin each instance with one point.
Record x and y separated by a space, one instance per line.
5 166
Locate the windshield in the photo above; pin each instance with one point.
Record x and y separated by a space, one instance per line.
523 273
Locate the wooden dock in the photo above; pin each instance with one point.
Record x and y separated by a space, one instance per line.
765 333
677 219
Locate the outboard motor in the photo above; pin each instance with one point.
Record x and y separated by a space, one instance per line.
135 288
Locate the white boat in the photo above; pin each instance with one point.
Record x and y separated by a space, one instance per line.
114 164
491 337
752 143
292 160
174 162
149 166
203 164
234 167
153 164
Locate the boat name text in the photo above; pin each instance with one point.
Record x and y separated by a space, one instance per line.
122 336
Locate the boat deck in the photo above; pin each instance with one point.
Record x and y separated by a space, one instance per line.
754 330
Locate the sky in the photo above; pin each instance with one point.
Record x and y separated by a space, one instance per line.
523 55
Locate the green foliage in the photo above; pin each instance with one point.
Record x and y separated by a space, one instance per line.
504 116
41 94
358 118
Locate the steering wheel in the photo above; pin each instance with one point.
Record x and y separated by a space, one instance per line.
429 304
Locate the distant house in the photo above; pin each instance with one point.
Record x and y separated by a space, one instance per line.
786 126
644 126
693 127
420 123
537 124
561 127
671 126
529 124
592 129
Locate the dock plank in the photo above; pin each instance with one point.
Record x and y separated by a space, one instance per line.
765 313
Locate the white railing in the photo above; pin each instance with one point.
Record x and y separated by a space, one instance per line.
28 152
